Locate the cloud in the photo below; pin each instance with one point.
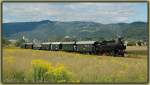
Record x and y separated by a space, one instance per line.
98 12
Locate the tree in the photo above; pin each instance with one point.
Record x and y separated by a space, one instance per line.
5 42
88 38
19 42
101 38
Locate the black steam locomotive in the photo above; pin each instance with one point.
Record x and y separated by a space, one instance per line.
113 47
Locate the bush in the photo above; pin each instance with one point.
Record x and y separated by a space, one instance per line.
43 71
5 42
19 42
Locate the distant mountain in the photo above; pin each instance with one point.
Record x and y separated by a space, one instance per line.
55 30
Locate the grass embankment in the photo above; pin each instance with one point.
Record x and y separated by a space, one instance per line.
85 68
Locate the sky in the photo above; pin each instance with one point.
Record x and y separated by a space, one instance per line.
96 12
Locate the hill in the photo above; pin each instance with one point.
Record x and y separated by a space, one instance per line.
79 30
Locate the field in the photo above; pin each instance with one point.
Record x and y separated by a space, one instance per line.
84 68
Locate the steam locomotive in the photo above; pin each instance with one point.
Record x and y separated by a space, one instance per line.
112 47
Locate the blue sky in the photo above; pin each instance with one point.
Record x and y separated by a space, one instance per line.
97 12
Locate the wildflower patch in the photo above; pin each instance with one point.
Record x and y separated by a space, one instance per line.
43 71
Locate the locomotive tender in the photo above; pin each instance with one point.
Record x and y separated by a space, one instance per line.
114 47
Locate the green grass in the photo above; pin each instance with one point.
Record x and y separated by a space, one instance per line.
138 52
86 68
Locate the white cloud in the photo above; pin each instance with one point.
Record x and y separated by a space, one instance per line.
7 20
98 12
121 19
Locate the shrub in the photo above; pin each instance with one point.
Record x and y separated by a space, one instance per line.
19 42
5 42
43 71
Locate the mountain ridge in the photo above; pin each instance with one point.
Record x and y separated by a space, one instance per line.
79 30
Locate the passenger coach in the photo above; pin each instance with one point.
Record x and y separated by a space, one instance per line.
46 46
27 45
86 46
68 46
55 46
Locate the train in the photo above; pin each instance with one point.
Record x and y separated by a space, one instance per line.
112 47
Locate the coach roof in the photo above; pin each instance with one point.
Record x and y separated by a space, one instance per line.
55 42
85 42
28 43
67 42
37 45
46 42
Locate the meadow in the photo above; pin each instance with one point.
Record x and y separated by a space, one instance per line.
84 68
